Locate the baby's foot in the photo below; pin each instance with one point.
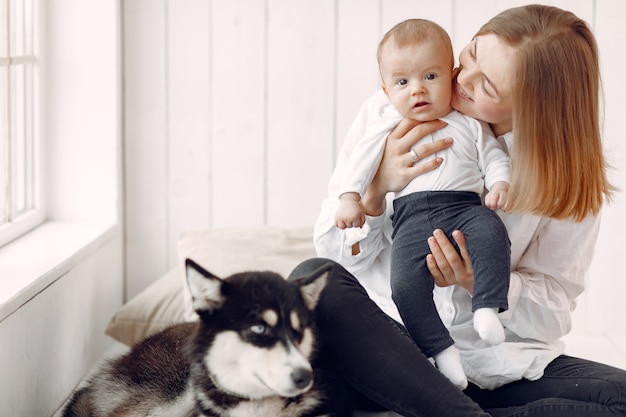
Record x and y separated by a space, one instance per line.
488 326
448 362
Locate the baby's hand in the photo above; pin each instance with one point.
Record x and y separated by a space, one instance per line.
496 198
349 212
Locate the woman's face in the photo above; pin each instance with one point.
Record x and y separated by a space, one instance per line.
484 84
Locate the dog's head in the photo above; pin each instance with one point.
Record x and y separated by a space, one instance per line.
255 338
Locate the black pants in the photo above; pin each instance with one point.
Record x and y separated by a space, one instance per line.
387 371
415 217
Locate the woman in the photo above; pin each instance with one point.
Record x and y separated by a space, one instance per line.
534 70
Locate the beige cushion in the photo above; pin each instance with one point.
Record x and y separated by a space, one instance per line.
155 308
222 252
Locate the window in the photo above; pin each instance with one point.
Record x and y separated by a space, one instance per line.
68 89
20 203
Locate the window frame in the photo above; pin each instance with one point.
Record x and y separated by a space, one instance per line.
80 151
20 145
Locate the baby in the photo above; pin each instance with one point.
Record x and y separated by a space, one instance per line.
416 65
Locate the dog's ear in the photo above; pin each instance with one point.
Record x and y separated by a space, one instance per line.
205 288
312 286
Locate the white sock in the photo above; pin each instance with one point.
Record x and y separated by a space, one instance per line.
448 362
488 326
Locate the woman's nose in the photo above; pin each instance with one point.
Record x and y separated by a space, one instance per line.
466 76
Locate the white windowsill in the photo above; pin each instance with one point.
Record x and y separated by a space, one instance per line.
36 260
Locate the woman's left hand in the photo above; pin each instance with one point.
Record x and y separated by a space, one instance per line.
398 166
445 264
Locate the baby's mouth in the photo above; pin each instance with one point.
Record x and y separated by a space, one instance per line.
421 104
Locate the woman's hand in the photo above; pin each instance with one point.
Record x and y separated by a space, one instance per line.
399 165
445 264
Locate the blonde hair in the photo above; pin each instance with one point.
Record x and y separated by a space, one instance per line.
413 32
558 166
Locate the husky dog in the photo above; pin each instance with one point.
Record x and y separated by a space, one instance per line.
249 355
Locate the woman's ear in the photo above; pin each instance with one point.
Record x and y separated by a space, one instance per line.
455 71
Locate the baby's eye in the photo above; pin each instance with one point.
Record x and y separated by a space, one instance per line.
403 81
430 76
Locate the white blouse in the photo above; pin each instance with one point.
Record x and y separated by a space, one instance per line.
549 262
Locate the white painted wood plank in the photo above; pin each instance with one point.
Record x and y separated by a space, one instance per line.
468 18
238 95
357 71
301 42
395 11
146 159
188 135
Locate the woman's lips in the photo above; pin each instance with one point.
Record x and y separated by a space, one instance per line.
461 92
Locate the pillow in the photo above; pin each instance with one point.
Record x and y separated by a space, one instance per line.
155 308
220 251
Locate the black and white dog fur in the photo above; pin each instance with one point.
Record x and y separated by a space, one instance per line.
249 355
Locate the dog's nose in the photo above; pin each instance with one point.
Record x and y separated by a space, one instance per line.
301 377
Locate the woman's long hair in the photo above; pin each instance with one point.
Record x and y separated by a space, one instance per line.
558 166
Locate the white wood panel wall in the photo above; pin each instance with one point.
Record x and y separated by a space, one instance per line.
235 110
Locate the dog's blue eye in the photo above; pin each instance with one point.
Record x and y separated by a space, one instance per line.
258 328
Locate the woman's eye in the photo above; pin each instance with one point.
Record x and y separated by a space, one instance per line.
471 49
258 328
482 86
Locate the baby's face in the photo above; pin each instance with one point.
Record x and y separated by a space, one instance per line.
418 79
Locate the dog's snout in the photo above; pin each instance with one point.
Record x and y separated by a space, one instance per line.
302 377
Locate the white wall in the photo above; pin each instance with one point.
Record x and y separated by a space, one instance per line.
235 111
53 340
